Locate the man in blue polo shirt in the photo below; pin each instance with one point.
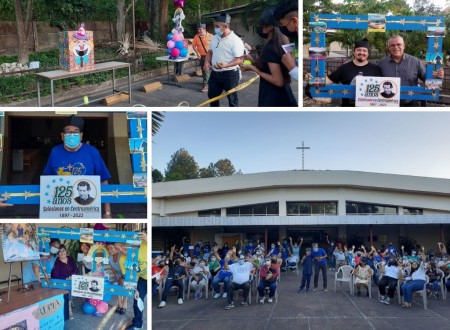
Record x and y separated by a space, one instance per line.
73 157
320 263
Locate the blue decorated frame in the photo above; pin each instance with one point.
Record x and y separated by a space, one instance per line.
111 193
99 235
360 22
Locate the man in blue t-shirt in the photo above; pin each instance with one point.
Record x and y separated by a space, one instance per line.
76 158
320 263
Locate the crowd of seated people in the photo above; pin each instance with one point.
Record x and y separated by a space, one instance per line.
237 266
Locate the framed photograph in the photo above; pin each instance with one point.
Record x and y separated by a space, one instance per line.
433 84
317 81
376 22
435 58
317 53
19 242
317 27
436 31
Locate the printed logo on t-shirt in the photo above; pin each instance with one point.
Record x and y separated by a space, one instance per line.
354 78
72 169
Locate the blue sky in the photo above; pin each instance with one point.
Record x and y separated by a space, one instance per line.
410 143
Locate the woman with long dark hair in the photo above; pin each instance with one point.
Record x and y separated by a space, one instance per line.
274 87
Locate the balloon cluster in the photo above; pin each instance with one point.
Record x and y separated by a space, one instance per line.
96 307
176 45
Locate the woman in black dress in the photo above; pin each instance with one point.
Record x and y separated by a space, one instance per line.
274 87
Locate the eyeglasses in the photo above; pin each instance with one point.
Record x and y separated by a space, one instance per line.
72 133
395 45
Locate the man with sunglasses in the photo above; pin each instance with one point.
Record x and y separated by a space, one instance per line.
224 57
286 14
76 158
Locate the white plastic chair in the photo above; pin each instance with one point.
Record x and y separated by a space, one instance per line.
346 272
422 292
445 288
399 297
369 284
189 287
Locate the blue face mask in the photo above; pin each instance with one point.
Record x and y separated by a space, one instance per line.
241 262
218 31
72 140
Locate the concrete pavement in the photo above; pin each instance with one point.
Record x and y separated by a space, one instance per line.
314 310
172 96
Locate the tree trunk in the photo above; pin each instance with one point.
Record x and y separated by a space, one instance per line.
152 8
121 19
23 29
163 16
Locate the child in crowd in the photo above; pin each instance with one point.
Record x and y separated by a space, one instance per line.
307 262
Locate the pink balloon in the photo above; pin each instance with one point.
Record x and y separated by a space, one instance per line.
177 37
94 302
178 3
185 44
170 44
182 36
175 52
102 307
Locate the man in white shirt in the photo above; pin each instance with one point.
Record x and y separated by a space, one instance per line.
241 270
224 57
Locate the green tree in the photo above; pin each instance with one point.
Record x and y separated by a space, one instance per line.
224 167
157 176
182 166
208 172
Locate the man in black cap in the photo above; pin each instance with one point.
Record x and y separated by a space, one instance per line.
200 44
359 66
76 158
286 13
224 57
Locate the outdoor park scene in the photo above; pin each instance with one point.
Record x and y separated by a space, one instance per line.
377 53
149 53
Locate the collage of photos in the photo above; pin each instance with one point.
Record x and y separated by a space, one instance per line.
285 212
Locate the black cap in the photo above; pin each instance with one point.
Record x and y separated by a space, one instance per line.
53 240
201 25
362 43
285 7
266 17
74 121
223 18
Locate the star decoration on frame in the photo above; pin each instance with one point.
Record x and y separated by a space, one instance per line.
423 22
339 19
317 91
433 93
410 93
402 21
316 18
358 20
438 22
345 92
5 195
330 92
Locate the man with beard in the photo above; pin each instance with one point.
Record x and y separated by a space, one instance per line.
359 66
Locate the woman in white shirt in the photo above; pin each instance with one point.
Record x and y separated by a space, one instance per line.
415 280
391 273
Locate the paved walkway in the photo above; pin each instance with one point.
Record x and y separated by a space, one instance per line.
315 310
172 96
110 320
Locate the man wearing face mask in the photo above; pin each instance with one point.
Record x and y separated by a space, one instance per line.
268 278
241 278
320 263
200 44
175 277
224 57
199 274
286 13
275 83
76 158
